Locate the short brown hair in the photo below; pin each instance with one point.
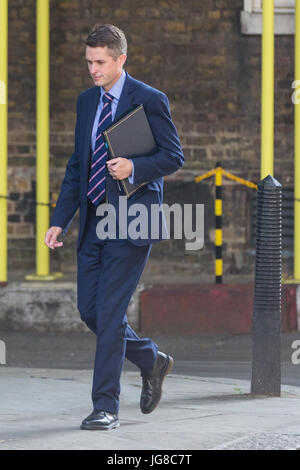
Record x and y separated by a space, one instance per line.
110 36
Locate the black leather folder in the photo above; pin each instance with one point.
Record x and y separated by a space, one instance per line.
130 136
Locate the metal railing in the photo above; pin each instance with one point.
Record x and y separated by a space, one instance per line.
218 172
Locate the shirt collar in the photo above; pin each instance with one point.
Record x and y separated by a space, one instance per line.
117 88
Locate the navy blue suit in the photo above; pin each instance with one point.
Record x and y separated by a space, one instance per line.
109 270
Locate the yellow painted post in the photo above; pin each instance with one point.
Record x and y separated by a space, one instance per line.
267 90
3 139
42 147
42 119
297 151
218 222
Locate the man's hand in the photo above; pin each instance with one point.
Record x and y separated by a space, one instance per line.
119 168
51 237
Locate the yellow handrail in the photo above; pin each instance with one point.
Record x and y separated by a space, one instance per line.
228 175
297 151
42 157
3 138
42 147
267 91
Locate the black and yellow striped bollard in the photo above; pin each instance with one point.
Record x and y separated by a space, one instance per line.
218 223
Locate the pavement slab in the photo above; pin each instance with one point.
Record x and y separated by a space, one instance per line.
43 409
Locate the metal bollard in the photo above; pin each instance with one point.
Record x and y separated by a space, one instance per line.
266 326
218 222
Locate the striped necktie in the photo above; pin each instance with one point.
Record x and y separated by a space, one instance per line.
96 186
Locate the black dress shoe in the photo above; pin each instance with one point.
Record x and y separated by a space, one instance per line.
101 420
152 384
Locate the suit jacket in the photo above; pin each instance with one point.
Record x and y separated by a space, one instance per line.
151 168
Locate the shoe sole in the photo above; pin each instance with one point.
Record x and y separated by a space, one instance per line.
94 427
167 369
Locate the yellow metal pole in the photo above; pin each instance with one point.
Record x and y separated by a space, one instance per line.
267 90
42 161
3 139
297 151
218 222
42 143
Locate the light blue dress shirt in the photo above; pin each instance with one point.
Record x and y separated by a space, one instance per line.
115 91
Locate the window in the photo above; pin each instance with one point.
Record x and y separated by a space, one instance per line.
284 18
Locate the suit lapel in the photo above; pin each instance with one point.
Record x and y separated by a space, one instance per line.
126 98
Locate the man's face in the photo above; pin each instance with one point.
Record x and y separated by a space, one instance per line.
103 68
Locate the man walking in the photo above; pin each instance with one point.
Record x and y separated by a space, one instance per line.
109 270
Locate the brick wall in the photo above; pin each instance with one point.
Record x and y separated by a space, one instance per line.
194 52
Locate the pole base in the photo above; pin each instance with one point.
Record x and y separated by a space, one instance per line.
46 277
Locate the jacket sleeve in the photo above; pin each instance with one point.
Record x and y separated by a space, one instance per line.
169 156
68 200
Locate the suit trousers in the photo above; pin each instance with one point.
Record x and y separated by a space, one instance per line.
108 274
